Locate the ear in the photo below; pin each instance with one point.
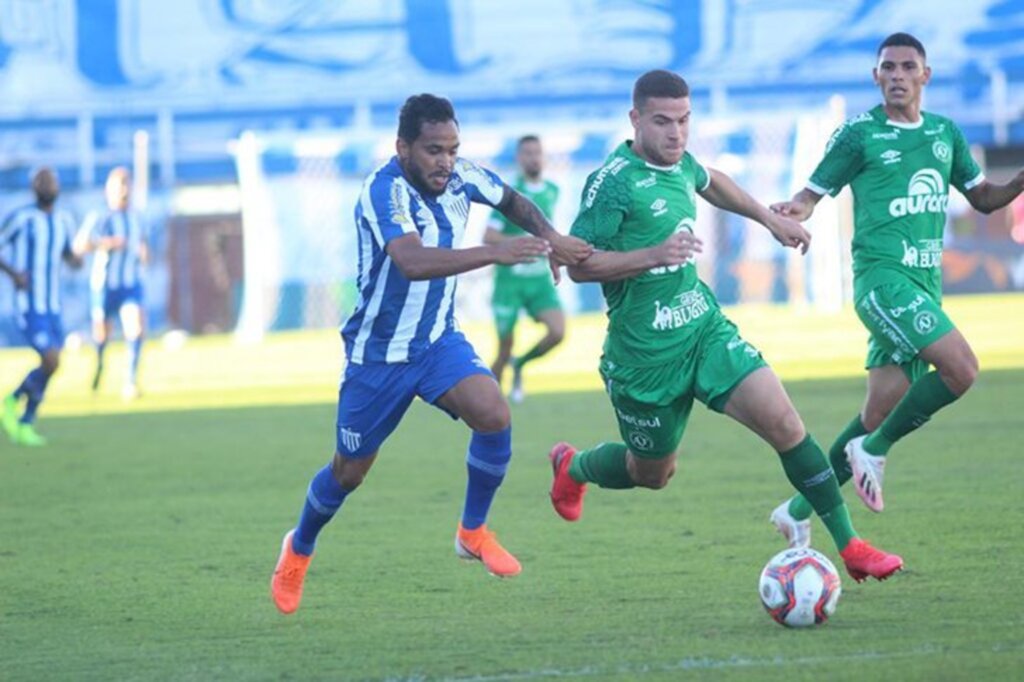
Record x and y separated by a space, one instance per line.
874 75
634 117
402 149
927 74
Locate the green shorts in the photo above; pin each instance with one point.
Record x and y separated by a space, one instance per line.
652 404
902 319
534 295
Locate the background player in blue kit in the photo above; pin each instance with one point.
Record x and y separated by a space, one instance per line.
40 237
119 239
401 341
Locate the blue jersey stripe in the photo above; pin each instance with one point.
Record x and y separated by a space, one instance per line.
396 320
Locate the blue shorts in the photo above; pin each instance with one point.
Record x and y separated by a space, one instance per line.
107 303
43 331
373 397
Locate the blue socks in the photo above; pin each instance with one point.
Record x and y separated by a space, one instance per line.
487 460
34 386
323 500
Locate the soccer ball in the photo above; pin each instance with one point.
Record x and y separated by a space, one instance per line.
800 588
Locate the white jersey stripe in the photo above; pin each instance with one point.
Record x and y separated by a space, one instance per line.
359 348
415 298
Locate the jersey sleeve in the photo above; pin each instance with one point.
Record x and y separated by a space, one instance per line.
10 227
844 158
603 208
387 208
701 176
965 174
482 186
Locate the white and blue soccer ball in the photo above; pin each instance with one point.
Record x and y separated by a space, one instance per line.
800 588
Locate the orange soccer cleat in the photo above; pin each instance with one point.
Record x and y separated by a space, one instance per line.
566 493
481 544
863 560
286 583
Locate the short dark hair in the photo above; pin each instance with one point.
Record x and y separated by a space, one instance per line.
902 40
420 109
658 83
526 139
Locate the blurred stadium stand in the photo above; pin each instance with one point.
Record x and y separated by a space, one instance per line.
318 84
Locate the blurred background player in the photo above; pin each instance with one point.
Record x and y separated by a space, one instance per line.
39 237
401 341
525 286
900 162
118 237
668 341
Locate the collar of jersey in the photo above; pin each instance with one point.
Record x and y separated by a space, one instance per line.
628 144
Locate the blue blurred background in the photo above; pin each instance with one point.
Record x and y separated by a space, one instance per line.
250 123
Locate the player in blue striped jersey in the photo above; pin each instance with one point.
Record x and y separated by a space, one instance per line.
119 240
402 342
36 239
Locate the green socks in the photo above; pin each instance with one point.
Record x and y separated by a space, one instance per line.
809 472
799 508
926 396
604 465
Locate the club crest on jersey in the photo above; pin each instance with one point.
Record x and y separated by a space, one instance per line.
941 151
926 193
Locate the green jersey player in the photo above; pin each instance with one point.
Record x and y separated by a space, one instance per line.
526 286
668 342
899 162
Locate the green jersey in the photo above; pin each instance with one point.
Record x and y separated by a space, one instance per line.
900 175
630 204
545 195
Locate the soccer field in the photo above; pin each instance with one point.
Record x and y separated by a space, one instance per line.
139 543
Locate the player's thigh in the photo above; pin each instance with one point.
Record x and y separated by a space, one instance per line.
887 384
724 362
456 380
372 400
761 404
902 319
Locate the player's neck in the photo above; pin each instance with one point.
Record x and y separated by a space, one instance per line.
910 113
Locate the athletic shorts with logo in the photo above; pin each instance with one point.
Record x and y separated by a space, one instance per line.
374 397
535 295
902 319
43 332
652 404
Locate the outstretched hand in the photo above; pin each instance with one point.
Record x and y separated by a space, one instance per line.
789 232
520 250
797 210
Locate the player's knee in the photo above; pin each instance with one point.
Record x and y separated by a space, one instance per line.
654 478
51 361
960 374
786 430
556 334
495 418
349 473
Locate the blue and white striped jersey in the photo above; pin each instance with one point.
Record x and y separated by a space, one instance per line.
396 320
122 268
39 242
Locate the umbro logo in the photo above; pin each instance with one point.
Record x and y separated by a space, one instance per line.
659 207
890 156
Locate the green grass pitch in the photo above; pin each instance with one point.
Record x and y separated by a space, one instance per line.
139 543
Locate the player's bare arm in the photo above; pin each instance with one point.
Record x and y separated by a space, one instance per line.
987 196
20 279
524 213
800 207
725 194
418 262
611 266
